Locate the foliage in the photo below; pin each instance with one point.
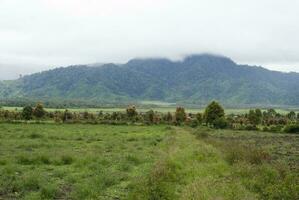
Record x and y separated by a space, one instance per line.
198 78
199 118
27 113
255 116
39 111
220 123
180 115
131 111
292 128
213 113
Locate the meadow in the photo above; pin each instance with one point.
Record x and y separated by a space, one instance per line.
81 161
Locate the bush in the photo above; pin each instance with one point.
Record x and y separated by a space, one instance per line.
275 129
194 123
220 123
251 127
292 128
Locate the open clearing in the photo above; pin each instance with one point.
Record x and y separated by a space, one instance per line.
52 161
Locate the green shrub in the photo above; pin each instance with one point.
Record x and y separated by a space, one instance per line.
292 128
251 127
193 123
266 129
275 128
220 123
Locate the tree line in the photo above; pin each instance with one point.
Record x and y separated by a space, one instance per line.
213 116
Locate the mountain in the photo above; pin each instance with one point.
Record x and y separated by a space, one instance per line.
197 79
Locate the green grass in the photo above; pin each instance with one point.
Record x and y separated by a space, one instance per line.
75 161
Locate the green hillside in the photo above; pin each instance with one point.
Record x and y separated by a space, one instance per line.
197 79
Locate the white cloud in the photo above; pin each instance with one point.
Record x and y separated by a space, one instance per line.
64 32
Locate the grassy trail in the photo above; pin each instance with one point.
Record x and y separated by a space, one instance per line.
189 169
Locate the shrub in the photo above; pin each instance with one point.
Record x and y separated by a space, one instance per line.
180 115
251 127
220 123
39 111
131 112
292 128
275 129
193 123
27 113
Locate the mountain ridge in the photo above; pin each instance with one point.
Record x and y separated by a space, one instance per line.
196 79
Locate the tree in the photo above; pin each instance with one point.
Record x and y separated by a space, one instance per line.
258 113
291 115
271 112
150 116
199 118
254 117
220 122
39 111
168 117
27 113
213 113
131 112
67 116
180 115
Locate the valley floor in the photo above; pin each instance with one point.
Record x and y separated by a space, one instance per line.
75 161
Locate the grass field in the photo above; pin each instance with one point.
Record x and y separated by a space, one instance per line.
163 109
49 161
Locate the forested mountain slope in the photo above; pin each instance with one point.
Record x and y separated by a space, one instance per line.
197 79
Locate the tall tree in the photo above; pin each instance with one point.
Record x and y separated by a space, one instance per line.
213 113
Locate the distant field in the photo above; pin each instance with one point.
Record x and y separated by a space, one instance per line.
50 161
158 109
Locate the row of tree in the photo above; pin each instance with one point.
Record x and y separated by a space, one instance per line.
213 116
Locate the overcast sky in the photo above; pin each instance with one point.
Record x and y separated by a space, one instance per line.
42 34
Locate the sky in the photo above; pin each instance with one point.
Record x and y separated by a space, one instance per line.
36 35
